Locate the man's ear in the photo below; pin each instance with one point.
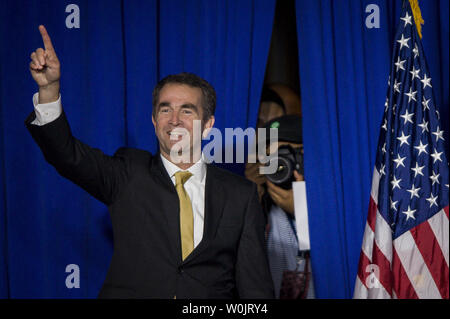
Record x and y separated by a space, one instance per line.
153 121
208 126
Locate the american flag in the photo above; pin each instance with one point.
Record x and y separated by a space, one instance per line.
405 247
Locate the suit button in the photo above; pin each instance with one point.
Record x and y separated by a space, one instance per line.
180 270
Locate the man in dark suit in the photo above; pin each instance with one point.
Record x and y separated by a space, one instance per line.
181 230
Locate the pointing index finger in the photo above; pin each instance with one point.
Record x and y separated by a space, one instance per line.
45 38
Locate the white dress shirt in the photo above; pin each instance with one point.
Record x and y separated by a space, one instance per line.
195 185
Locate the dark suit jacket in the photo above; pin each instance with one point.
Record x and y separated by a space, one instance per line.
229 262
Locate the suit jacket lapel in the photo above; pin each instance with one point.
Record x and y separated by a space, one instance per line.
171 214
215 197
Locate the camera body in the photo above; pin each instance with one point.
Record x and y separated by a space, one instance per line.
289 159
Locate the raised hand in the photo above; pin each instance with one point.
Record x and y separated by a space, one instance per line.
45 69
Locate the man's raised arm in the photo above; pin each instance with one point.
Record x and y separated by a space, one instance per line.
101 175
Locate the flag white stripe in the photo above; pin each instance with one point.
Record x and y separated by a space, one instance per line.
383 237
361 291
367 246
440 227
375 185
415 267
378 293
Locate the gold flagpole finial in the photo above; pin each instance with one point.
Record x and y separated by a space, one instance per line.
417 16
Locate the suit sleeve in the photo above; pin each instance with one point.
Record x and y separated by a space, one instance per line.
253 277
100 175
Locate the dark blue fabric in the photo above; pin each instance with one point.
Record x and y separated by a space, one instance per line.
109 68
344 69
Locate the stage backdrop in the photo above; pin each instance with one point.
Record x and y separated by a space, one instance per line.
109 67
344 69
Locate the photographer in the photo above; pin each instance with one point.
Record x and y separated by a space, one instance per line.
287 263
271 106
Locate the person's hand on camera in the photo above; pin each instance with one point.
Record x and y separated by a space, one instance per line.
283 198
45 69
252 173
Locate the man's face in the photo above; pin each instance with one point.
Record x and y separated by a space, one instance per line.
177 108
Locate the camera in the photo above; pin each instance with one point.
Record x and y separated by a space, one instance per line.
289 159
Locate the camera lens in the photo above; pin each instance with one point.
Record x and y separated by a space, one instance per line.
284 170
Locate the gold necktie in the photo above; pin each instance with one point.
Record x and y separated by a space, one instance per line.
186 215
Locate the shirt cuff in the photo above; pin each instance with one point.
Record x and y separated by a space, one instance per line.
47 112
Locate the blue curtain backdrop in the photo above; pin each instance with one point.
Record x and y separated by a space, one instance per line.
109 68
344 68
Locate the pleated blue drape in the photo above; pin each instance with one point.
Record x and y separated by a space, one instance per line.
344 68
109 68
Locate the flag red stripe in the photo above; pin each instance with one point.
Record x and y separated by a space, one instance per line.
372 216
363 263
384 266
446 211
432 254
402 285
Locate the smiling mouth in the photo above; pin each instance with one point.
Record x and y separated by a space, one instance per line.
177 134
